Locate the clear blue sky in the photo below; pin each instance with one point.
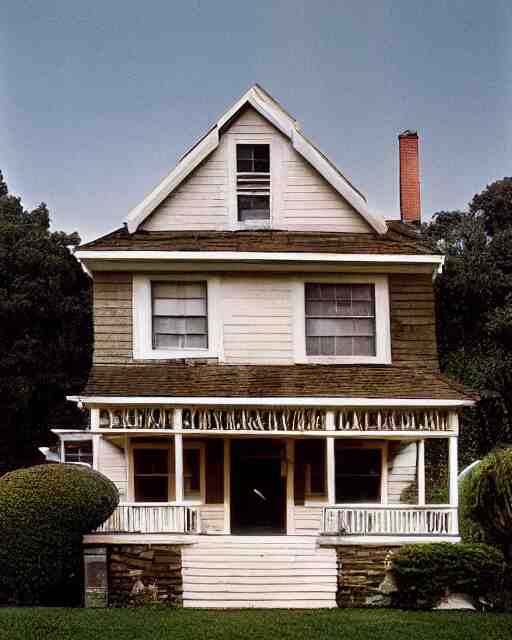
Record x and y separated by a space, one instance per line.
99 99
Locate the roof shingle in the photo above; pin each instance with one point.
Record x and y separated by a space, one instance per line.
182 379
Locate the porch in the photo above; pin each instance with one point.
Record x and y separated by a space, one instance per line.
352 474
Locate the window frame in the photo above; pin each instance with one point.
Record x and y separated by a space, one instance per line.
268 140
143 348
169 447
382 320
383 447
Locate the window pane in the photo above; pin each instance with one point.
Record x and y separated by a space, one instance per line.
358 475
150 461
253 208
151 489
180 309
342 317
191 471
253 158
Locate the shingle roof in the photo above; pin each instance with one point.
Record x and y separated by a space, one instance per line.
399 239
182 379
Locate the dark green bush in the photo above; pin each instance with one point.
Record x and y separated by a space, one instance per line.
424 573
44 512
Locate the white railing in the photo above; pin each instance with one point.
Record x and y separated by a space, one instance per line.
137 418
395 520
392 420
254 419
147 517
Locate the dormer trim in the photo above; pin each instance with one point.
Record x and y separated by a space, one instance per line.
270 109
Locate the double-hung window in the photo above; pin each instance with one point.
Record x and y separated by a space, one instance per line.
180 316
340 319
253 182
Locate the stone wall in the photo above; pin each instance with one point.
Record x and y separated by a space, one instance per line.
362 578
137 574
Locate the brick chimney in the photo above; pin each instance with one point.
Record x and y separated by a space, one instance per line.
410 203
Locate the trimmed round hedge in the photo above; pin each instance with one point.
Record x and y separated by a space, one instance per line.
44 512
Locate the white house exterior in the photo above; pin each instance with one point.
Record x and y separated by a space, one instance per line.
265 378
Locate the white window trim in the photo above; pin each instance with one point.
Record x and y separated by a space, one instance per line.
142 318
382 320
234 141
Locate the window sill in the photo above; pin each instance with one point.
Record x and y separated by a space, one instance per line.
253 226
170 354
342 360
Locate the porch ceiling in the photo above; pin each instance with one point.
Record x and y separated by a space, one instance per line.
182 380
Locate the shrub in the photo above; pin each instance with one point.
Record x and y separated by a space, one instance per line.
488 498
44 512
424 573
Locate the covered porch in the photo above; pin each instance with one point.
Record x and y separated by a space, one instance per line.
353 474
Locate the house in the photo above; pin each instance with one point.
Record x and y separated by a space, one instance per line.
265 379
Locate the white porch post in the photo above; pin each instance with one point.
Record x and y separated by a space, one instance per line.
331 478
178 466
227 486
290 498
95 423
421 473
454 487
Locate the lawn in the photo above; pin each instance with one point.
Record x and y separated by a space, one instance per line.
177 624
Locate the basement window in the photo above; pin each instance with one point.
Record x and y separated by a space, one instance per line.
253 182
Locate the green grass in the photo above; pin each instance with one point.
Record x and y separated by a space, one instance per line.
177 624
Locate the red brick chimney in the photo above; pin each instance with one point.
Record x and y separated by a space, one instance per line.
410 203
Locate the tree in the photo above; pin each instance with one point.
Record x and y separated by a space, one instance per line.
45 326
474 311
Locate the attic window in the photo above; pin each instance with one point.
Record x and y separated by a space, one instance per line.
253 182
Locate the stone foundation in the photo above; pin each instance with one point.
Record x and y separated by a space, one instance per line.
362 580
138 574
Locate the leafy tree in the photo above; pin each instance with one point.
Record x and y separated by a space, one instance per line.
45 326
474 311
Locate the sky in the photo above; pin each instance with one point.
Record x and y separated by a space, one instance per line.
98 100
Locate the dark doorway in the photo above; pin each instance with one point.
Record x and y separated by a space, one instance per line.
258 487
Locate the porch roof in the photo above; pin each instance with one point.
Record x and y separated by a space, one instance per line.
399 239
183 379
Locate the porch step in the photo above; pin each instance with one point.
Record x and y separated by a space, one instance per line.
233 572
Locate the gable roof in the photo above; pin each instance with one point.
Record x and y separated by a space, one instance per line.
272 111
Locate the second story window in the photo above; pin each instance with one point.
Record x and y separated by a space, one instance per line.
180 319
340 320
253 182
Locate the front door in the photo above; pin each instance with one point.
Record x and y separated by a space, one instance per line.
258 487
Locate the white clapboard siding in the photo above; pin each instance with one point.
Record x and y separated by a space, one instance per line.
111 462
401 469
302 199
308 520
259 571
212 518
257 320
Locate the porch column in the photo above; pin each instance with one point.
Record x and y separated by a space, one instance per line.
178 466
421 473
290 498
454 486
329 443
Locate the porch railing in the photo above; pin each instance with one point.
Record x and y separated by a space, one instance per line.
389 520
152 518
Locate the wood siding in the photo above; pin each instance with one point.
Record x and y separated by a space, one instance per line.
212 518
112 463
257 321
401 469
113 332
308 520
413 329
302 200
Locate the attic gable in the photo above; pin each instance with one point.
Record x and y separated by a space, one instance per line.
198 193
